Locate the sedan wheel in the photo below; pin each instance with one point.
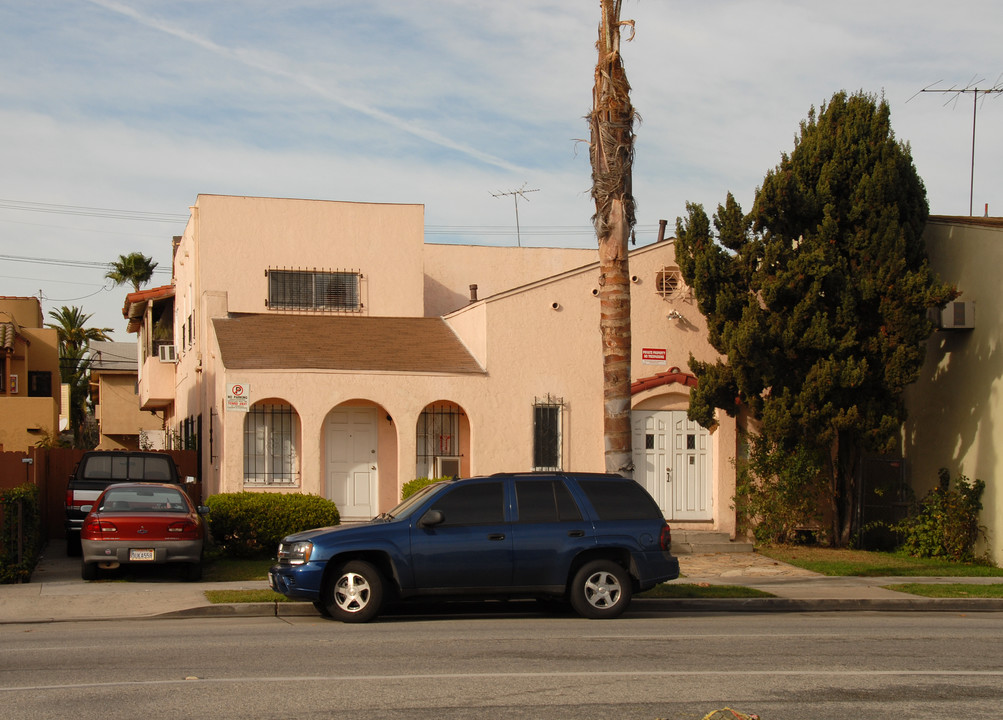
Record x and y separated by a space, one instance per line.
600 589
355 592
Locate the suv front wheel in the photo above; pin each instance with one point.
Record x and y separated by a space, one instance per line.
600 589
355 593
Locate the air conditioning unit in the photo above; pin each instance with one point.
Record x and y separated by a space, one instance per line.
447 466
168 354
958 315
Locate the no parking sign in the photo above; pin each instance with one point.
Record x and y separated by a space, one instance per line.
238 397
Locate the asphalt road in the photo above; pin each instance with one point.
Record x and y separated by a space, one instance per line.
513 665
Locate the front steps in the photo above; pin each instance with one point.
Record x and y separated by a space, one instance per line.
706 541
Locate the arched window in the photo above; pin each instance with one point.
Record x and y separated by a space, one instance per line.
271 445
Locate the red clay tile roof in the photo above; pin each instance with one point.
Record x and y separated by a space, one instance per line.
364 344
135 304
8 333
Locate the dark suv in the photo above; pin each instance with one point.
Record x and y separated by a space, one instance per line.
591 539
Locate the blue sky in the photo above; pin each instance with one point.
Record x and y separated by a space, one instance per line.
137 106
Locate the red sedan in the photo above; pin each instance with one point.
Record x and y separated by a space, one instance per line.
142 524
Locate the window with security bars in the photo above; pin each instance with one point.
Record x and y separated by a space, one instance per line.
438 435
314 290
271 438
547 433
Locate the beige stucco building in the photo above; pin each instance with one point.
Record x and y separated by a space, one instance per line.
956 408
114 391
29 369
323 347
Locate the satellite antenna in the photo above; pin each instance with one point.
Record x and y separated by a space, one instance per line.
516 194
973 88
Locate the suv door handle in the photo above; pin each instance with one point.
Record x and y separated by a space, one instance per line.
576 533
496 536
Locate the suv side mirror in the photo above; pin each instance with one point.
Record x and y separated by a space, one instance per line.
431 519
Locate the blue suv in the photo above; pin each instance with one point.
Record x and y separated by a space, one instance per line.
590 539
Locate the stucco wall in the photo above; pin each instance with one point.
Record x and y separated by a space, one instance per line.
955 407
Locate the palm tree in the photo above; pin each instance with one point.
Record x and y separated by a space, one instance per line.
74 362
611 151
71 329
134 268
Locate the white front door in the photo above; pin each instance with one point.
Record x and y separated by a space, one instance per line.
351 461
672 459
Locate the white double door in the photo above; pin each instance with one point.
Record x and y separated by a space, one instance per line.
352 473
672 459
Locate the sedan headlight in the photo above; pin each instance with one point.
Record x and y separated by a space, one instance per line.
295 553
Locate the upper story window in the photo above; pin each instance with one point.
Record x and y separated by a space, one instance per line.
331 290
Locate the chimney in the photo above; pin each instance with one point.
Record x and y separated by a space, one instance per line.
661 229
473 293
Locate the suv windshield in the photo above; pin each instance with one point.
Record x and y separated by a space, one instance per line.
409 505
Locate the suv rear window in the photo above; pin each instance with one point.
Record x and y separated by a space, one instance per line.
620 500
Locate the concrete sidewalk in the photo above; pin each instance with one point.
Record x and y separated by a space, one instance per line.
57 593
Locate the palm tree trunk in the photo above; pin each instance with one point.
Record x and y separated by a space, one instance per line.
612 154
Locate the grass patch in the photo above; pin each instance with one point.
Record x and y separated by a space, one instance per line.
950 590
217 597
689 590
843 562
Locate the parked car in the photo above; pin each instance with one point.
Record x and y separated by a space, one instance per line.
100 468
142 524
593 540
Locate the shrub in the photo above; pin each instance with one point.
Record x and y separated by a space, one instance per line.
248 524
778 493
20 533
945 523
412 486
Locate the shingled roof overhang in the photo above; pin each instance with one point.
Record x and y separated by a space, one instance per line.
345 343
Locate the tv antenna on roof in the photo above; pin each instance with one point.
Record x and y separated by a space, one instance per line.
516 194
956 92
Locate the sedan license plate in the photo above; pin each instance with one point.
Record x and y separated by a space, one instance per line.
146 555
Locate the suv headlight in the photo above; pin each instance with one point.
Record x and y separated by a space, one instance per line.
296 553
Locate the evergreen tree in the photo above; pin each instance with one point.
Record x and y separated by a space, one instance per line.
818 298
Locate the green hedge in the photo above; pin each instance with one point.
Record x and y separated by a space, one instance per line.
412 486
20 530
250 524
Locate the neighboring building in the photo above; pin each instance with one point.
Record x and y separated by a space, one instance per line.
956 408
122 424
29 371
323 347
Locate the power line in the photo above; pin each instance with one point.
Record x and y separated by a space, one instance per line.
85 211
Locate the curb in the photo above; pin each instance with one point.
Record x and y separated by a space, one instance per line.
662 605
